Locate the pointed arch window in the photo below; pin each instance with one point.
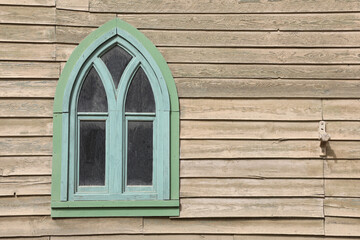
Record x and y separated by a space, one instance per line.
119 111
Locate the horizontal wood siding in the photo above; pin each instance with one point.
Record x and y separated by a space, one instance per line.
254 79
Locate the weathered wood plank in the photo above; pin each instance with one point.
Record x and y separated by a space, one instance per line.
343 130
342 188
24 51
212 187
248 130
35 238
49 3
342 168
263 237
23 206
15 146
25 127
243 22
267 88
25 108
205 149
163 38
223 6
265 71
261 55
84 19
82 5
343 150
27 15
29 70
22 166
335 226
45 226
63 51
21 186
254 109
145 237
342 207
249 207
341 109
28 88
23 33
234 226
285 168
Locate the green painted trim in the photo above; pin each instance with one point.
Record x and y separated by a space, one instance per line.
174 155
115 212
56 161
98 204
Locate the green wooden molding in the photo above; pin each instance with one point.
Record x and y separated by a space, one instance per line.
61 208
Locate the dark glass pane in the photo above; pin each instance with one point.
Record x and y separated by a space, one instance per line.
140 97
116 60
92 94
140 153
92 153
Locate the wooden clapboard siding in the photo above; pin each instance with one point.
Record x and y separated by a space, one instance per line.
248 130
342 168
341 109
212 187
251 207
343 130
27 51
343 150
268 168
28 2
71 34
253 109
26 108
243 22
24 206
29 70
23 33
27 15
63 51
146 237
336 226
20 146
266 88
80 5
25 166
205 149
223 6
26 127
72 18
342 188
343 207
27 88
22 186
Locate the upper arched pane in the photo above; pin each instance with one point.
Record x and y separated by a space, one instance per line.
92 96
116 59
140 97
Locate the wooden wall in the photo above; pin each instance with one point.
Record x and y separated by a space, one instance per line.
254 80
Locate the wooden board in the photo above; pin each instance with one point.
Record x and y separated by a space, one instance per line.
26 108
29 70
25 206
253 109
263 237
27 88
342 168
341 109
24 51
343 150
249 207
335 226
223 6
234 226
23 33
341 130
243 22
342 188
26 127
15 146
75 18
21 186
269 168
28 2
82 5
342 207
248 130
205 149
72 34
27 15
213 187
22 166
63 51
145 237
45 226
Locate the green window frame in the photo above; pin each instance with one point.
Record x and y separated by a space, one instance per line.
115 198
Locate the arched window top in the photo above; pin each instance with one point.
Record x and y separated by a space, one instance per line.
116 128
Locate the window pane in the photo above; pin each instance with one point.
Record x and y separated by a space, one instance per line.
140 97
140 153
92 94
92 153
116 60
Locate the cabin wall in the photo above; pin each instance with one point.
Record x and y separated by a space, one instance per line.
254 79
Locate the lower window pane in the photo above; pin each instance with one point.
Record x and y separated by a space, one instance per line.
92 153
140 153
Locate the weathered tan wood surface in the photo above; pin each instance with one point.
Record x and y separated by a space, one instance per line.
344 207
26 108
335 226
29 70
25 166
24 206
14 146
29 2
27 51
342 188
21 186
23 33
27 15
342 168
